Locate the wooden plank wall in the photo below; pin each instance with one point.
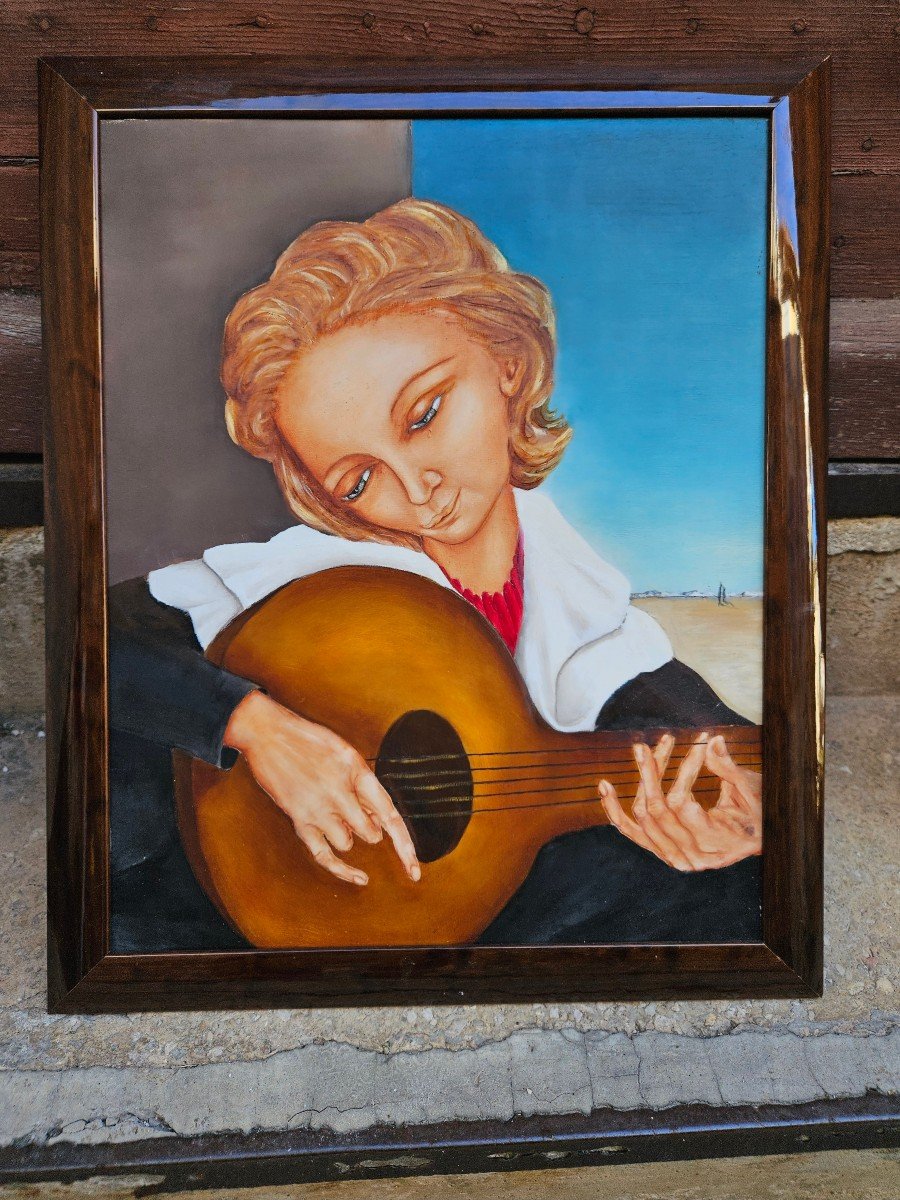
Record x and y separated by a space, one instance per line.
862 36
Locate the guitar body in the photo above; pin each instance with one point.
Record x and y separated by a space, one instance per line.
412 676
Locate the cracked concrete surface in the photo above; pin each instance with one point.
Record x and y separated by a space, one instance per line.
114 1078
532 1072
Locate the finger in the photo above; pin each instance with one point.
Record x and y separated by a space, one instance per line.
720 761
688 771
735 814
645 830
334 828
625 825
694 820
747 783
322 853
381 805
639 806
717 832
359 819
673 841
729 800
650 778
661 753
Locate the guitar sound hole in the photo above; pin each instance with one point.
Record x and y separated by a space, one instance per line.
424 767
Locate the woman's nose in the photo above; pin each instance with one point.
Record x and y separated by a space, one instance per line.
420 485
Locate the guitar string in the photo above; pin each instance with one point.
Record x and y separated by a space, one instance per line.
464 772
481 772
468 801
739 733
513 808
541 755
593 769
462 777
677 752
542 791
561 750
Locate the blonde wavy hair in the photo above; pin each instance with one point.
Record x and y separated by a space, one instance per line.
413 256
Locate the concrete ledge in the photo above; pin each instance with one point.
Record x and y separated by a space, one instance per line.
346 1089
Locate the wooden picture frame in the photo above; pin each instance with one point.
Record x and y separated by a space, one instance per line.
76 97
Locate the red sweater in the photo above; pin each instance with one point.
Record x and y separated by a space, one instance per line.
503 609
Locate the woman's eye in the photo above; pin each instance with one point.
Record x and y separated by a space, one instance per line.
360 485
428 417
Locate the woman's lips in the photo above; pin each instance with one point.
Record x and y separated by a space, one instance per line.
445 516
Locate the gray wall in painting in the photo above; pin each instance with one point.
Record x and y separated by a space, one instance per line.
194 212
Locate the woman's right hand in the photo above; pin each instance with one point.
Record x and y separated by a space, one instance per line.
323 785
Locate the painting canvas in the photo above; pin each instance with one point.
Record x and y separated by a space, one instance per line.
434 475
435 484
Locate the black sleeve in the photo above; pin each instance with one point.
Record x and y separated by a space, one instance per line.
673 695
161 685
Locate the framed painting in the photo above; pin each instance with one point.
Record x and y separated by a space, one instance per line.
434 476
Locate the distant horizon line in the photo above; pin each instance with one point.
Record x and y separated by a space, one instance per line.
653 593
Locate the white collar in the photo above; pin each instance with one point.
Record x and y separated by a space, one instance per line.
580 638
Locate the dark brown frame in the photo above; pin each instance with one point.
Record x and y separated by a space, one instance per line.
75 96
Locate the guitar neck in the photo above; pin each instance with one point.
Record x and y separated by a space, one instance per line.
742 740
566 768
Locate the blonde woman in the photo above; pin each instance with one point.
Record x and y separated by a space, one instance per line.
397 374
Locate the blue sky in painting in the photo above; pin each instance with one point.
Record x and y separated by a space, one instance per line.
650 234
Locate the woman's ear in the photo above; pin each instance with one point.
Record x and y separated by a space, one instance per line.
511 372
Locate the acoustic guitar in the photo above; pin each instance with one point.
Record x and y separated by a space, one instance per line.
419 682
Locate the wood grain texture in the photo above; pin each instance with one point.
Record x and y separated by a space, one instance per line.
865 248
75 587
19 229
21 374
329 978
795 538
864 380
84 977
862 39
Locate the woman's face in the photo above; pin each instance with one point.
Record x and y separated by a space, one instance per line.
405 421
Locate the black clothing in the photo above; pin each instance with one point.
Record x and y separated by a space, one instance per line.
591 886
597 886
162 687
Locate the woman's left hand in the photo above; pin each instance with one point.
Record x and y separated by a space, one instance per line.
673 825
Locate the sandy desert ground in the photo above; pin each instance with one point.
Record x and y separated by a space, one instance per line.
723 643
